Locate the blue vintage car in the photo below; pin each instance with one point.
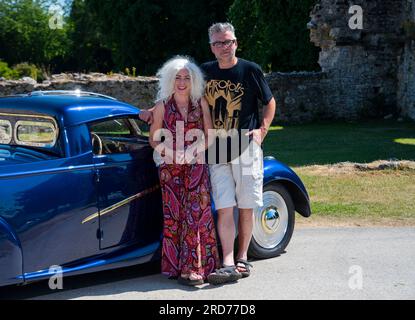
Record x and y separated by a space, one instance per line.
79 189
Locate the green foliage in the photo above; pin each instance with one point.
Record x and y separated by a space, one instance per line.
20 70
6 72
107 35
25 69
274 33
145 33
88 49
25 34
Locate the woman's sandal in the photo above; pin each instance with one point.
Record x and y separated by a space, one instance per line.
246 265
224 275
190 282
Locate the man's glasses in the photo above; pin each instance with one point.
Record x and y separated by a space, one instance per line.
221 44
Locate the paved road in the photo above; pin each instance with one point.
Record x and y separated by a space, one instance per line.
320 263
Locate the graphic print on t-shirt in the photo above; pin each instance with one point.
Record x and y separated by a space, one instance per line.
224 98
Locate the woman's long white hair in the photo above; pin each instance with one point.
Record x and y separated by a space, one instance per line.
167 76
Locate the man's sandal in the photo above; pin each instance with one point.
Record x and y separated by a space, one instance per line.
224 275
245 266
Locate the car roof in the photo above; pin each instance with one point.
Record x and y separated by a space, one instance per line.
68 109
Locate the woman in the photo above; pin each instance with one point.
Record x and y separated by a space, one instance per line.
189 250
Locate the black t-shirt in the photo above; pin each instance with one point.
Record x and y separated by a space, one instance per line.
233 96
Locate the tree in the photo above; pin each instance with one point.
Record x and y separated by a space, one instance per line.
274 34
107 35
145 33
88 50
25 33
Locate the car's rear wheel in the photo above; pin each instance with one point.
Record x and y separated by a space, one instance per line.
274 223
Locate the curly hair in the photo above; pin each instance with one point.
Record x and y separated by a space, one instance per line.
167 74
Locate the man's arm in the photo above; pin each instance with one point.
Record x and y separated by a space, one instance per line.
268 116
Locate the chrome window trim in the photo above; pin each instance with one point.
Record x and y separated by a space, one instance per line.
76 92
7 122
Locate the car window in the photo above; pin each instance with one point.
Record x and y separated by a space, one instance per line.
35 133
5 131
114 128
122 135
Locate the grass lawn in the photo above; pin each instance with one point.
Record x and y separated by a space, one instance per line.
350 194
300 145
374 194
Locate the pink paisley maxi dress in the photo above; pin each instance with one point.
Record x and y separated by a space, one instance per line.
189 236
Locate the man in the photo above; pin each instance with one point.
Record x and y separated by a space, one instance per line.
233 89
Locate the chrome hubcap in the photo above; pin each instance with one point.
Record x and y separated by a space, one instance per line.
271 220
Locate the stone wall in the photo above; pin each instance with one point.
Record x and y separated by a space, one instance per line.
138 91
361 64
299 96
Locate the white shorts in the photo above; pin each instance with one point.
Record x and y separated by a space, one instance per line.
239 182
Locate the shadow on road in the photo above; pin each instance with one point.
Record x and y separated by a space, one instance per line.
41 288
123 283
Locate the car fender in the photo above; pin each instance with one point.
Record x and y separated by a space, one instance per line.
278 172
11 256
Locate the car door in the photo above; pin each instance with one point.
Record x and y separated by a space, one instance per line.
45 195
129 198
